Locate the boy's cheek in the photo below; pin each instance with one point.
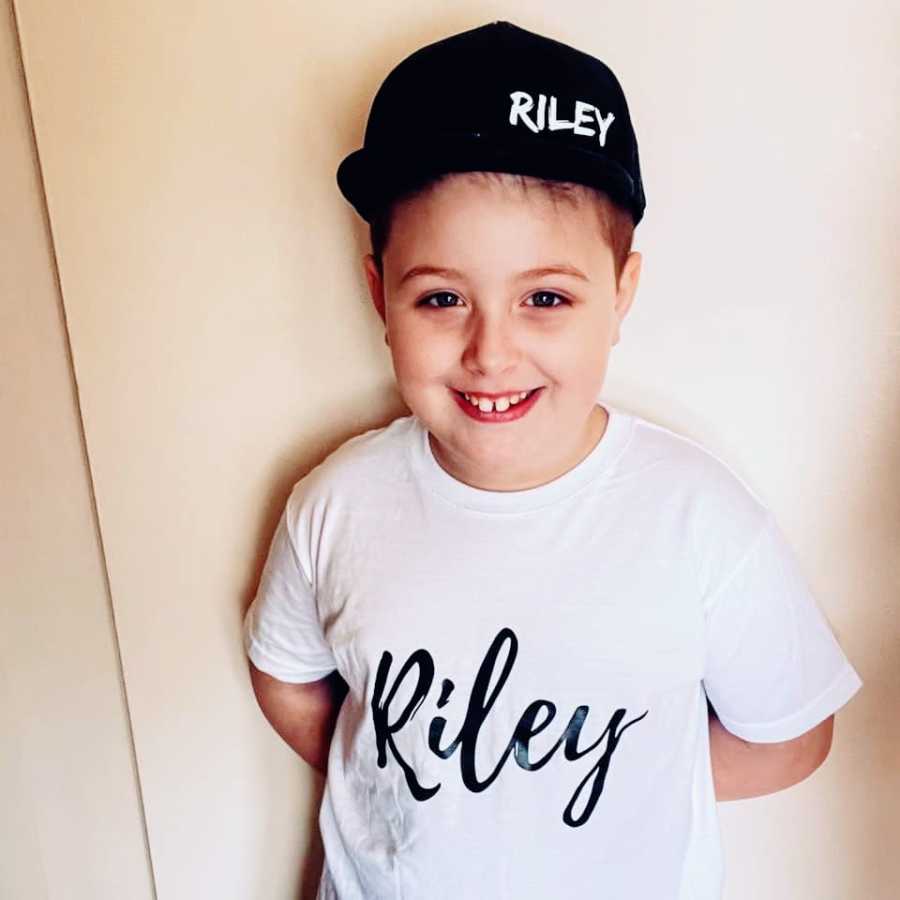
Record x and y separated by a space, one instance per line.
425 351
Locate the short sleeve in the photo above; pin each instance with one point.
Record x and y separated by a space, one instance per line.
282 632
774 669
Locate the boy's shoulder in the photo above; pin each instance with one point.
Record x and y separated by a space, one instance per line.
654 445
716 504
360 464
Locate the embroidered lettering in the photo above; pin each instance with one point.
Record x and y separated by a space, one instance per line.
585 114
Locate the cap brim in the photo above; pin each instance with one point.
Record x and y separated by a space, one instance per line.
369 177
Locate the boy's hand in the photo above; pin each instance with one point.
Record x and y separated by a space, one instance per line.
743 769
304 715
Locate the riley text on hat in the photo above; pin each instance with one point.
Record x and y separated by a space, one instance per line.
585 114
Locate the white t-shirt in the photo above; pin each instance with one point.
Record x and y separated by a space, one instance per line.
528 670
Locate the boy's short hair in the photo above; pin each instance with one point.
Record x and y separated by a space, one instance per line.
616 222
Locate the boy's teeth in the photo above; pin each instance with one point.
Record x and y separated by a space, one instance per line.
501 404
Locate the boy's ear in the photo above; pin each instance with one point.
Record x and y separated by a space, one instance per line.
628 282
376 288
374 281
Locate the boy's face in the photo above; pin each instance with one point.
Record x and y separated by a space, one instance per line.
489 327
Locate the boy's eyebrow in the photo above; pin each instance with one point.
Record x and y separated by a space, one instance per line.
540 272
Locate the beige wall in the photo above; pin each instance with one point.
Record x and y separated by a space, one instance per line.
211 312
71 824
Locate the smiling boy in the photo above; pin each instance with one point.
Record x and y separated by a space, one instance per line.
498 624
490 325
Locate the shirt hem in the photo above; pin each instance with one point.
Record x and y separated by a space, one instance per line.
264 664
842 688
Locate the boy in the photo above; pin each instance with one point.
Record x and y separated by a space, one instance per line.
496 624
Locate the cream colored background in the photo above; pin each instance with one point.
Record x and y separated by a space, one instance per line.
185 331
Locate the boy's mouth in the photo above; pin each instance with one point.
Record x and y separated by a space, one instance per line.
497 407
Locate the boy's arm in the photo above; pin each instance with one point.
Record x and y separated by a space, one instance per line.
742 769
304 715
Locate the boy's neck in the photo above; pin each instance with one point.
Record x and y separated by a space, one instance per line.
594 431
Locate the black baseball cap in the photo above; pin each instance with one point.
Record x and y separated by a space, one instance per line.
496 98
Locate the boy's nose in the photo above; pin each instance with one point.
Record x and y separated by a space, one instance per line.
492 346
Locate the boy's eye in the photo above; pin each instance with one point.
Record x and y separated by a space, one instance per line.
426 301
543 304
551 295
